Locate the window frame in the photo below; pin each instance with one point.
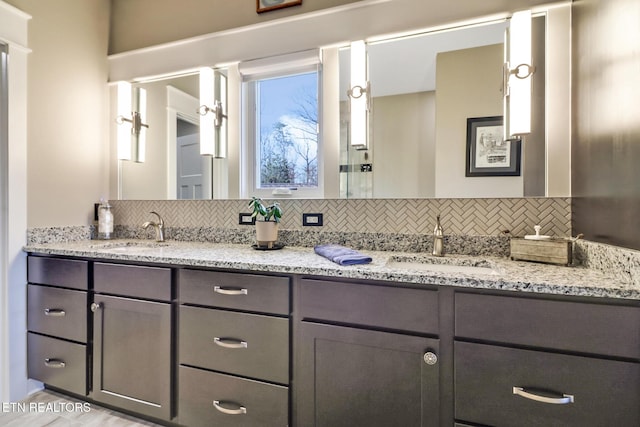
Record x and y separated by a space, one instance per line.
252 72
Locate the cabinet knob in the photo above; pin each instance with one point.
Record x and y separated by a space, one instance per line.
96 306
430 358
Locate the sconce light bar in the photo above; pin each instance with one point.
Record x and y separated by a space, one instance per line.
132 108
517 80
124 110
212 127
359 96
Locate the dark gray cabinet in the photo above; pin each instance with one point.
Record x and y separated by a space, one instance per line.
350 372
543 362
56 362
503 386
246 344
211 399
57 322
233 349
132 344
61 272
235 291
354 377
362 354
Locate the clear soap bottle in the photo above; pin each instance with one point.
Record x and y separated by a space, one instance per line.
105 221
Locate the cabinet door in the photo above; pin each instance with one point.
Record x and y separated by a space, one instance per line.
351 377
132 355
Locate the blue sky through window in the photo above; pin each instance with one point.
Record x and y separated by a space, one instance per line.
287 140
281 96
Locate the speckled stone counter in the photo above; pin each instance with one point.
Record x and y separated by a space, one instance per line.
499 273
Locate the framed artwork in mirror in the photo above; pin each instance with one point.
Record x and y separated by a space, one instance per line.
268 5
488 154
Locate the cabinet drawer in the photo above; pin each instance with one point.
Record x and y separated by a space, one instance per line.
572 326
390 307
605 392
238 343
251 292
59 363
66 273
58 312
133 281
210 399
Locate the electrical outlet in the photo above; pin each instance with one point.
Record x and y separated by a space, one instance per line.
246 219
312 219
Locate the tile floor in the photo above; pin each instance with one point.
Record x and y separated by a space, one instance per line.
51 409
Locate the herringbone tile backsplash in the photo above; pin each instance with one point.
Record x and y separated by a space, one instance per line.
475 217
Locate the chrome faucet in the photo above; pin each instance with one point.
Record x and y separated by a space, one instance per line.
159 226
438 239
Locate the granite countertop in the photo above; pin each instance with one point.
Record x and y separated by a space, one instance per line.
499 274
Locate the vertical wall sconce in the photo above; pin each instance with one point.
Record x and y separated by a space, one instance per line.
359 96
517 76
132 109
213 127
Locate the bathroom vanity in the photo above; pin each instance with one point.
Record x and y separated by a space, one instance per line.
201 334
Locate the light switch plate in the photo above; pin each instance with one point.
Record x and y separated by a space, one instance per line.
246 219
312 219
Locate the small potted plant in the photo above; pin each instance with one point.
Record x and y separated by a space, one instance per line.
267 219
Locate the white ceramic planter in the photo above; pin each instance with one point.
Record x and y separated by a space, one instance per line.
266 233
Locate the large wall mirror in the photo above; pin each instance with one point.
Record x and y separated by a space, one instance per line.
424 87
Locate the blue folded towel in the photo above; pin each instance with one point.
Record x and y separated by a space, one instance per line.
341 255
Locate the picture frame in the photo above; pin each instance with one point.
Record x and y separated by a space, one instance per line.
488 154
269 5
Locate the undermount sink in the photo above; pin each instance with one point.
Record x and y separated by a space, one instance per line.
444 265
128 246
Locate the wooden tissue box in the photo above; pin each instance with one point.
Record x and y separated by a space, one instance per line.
551 251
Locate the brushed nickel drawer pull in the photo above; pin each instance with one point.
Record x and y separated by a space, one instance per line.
96 306
230 343
230 291
54 312
239 411
564 400
54 363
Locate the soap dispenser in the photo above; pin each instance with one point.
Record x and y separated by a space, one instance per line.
105 220
438 237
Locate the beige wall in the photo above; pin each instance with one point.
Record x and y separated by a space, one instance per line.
403 145
469 66
142 23
67 109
